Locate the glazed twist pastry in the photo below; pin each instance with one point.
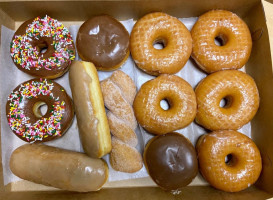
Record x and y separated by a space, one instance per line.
119 92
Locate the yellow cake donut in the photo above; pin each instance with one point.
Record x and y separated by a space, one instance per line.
228 160
234 34
160 28
180 97
238 90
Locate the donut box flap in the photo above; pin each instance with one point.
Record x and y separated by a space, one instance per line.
258 15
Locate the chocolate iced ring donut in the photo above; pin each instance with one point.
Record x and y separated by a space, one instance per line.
42 47
25 118
104 41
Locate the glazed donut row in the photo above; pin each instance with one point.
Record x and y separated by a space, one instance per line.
179 44
43 47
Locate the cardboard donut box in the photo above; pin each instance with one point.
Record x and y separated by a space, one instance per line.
259 17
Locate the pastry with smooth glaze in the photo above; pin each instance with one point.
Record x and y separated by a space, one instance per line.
104 41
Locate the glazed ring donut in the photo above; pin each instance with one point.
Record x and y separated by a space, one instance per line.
164 29
228 160
180 97
231 30
35 35
25 118
237 89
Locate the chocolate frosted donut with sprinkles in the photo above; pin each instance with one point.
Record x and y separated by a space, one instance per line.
42 47
23 110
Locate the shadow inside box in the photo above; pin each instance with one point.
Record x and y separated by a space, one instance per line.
186 193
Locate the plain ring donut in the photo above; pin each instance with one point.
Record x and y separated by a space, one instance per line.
239 93
234 34
228 160
164 29
180 97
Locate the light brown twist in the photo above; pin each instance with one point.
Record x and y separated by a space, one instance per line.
119 92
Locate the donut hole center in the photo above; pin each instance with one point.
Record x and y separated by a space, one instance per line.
160 43
221 40
230 160
164 104
226 102
42 47
40 108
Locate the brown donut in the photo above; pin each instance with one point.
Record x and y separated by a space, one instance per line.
35 35
231 30
24 116
160 28
171 161
103 41
240 92
179 95
239 171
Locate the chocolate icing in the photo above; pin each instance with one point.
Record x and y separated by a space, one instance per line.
171 161
28 104
41 43
103 41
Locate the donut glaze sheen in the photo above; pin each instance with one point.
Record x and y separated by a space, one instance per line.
238 90
180 97
64 169
33 36
160 28
239 171
25 118
171 161
103 41
235 37
89 108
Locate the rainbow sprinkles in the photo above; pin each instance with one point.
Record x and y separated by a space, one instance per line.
19 121
27 56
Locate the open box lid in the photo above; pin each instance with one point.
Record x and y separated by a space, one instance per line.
194 192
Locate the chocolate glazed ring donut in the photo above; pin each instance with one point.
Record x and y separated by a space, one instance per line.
25 118
104 41
42 47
